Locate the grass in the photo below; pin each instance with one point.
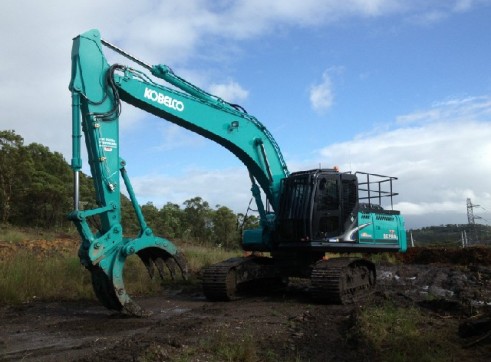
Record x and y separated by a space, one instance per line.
223 346
389 258
12 236
27 274
154 352
227 348
219 345
201 256
394 333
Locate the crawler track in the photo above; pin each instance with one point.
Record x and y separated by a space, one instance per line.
220 281
342 280
335 281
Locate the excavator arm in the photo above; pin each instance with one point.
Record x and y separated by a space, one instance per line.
97 89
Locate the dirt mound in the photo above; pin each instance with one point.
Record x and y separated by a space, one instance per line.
477 255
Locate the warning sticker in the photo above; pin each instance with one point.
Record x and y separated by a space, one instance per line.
107 143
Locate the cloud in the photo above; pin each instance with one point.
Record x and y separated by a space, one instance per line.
233 190
35 59
430 12
254 16
231 91
440 161
321 94
451 110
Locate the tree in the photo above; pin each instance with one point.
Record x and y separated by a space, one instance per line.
197 216
225 230
247 222
48 200
36 190
14 171
151 215
128 217
172 218
46 203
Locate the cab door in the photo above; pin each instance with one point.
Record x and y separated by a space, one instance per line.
326 211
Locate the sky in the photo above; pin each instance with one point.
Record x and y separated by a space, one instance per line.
393 87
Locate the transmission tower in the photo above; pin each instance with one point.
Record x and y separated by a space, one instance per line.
470 212
471 219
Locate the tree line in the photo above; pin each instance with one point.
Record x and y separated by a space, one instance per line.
36 190
196 221
451 234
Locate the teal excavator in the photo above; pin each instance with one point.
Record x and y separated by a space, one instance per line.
303 215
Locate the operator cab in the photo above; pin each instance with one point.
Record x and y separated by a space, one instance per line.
316 205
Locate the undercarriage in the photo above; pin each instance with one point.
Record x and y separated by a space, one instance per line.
334 281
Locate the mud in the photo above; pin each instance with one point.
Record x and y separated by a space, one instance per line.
281 325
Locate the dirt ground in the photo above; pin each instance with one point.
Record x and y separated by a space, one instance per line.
281 325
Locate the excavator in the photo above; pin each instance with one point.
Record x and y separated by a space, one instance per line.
303 216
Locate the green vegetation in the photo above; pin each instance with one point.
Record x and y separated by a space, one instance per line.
225 347
202 256
138 282
25 276
393 333
12 235
60 276
218 346
36 192
450 235
35 198
35 184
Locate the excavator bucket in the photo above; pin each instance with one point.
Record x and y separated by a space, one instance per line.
107 273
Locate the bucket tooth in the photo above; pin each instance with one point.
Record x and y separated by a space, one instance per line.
162 260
